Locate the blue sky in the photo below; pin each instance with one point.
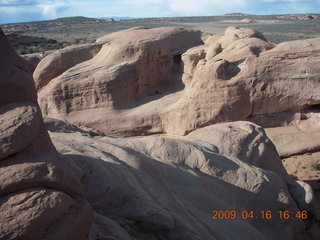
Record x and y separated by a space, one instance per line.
34 10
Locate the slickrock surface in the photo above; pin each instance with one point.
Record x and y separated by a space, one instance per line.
166 188
298 138
173 80
59 61
41 196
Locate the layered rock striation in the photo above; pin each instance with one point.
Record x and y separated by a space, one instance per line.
41 196
167 188
173 80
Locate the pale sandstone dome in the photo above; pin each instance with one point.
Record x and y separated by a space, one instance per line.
166 188
41 196
59 61
173 80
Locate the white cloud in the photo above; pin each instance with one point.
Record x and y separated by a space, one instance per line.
48 10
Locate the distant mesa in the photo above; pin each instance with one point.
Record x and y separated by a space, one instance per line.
237 14
115 18
75 19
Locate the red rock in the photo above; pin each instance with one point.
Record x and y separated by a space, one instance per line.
41 196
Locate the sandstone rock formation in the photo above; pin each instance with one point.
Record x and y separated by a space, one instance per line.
171 80
166 188
247 20
296 139
246 141
59 61
33 59
146 187
41 196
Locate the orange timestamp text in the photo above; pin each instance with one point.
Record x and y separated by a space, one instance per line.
268 214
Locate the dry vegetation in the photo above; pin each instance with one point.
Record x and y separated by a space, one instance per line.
66 31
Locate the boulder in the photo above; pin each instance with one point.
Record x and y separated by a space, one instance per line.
296 139
174 80
246 141
157 187
41 196
19 126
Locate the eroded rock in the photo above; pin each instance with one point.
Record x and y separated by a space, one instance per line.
41 196
159 187
171 80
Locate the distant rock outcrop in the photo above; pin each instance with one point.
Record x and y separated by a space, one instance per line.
173 80
247 20
299 16
41 196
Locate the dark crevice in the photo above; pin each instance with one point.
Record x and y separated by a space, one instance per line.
177 58
313 108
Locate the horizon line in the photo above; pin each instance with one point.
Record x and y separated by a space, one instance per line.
132 18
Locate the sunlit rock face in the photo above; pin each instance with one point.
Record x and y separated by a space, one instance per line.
41 196
174 80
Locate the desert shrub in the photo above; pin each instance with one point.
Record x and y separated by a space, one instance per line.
315 166
95 134
101 134
80 40
52 41
22 51
91 134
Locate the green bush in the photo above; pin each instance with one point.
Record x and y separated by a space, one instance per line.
315 166
91 134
